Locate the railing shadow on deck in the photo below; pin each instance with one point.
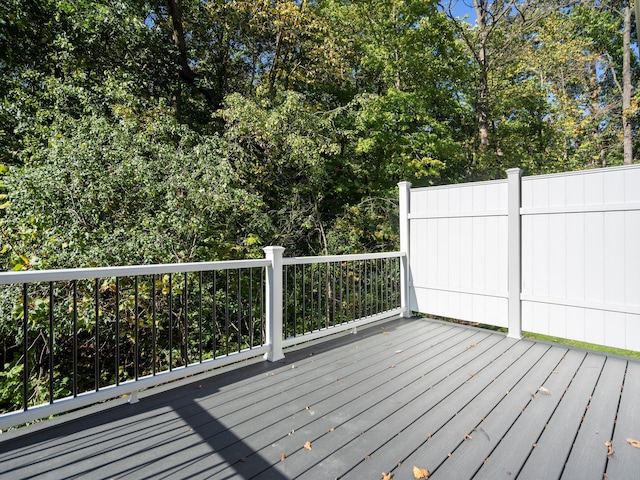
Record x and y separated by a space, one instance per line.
128 439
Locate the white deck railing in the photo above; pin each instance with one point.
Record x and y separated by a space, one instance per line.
147 325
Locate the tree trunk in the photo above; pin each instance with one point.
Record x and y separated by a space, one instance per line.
482 107
185 72
627 89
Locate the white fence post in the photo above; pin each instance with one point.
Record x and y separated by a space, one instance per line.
274 303
404 205
514 284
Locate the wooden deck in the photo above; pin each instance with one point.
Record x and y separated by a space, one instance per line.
458 401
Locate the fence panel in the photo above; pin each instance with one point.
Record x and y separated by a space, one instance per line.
458 250
581 256
577 248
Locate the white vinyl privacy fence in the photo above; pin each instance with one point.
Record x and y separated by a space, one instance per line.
553 254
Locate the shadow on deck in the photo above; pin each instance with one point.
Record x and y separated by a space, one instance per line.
458 401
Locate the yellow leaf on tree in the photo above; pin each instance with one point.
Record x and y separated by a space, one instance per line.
633 442
420 472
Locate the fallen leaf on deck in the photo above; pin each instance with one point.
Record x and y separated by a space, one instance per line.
330 430
545 390
387 476
385 333
610 449
283 456
634 443
467 437
534 445
307 445
420 472
471 346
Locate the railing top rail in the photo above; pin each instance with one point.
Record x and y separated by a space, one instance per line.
340 258
34 276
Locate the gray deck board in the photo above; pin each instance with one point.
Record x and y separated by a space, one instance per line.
548 458
625 462
588 456
458 401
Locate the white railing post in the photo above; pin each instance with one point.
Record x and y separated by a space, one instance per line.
404 206
514 284
273 297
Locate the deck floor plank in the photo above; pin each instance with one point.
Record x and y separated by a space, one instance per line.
466 426
507 407
588 456
398 393
428 428
510 455
547 460
625 462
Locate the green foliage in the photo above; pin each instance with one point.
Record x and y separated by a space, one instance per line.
283 122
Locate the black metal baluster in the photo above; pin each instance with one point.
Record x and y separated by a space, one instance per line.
25 346
304 298
154 333
250 324
226 313
239 295
333 294
117 318
75 338
170 322
215 314
285 298
97 334
295 299
200 316
185 307
136 318
262 277
319 296
50 342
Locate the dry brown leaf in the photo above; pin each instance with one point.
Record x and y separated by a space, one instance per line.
545 390
467 437
634 443
420 472
610 449
387 476
283 456
330 430
368 457
471 346
307 445
534 445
